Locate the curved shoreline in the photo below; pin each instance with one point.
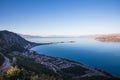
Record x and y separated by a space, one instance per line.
95 71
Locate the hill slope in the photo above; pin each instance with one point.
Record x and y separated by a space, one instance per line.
10 41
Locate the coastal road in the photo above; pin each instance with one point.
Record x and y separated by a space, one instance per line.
6 65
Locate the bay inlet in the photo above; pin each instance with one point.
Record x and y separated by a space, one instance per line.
100 55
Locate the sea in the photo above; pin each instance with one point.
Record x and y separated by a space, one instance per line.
101 55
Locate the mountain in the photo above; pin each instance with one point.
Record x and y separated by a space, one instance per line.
10 41
109 38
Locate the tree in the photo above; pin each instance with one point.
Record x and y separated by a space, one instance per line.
15 74
34 77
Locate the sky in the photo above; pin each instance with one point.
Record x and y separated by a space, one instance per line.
60 17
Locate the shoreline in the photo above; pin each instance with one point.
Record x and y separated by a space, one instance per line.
49 43
91 68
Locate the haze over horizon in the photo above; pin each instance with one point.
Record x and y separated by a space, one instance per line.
60 17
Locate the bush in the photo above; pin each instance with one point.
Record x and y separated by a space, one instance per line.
34 77
15 73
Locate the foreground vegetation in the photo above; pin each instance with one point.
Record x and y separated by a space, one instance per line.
16 73
32 66
26 69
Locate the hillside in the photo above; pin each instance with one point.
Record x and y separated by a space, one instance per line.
16 51
10 41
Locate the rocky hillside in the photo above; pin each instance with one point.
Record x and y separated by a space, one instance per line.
10 41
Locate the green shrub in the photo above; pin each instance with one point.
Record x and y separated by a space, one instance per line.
15 73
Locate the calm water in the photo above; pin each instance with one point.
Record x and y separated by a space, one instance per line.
101 55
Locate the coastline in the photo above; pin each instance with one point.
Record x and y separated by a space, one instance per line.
49 43
97 72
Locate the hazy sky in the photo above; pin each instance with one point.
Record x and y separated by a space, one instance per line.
60 17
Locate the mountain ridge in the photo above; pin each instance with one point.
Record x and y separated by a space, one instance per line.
11 41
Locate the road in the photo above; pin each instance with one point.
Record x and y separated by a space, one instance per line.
6 65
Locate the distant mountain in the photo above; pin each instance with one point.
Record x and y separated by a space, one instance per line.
52 36
109 38
29 36
100 35
10 41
